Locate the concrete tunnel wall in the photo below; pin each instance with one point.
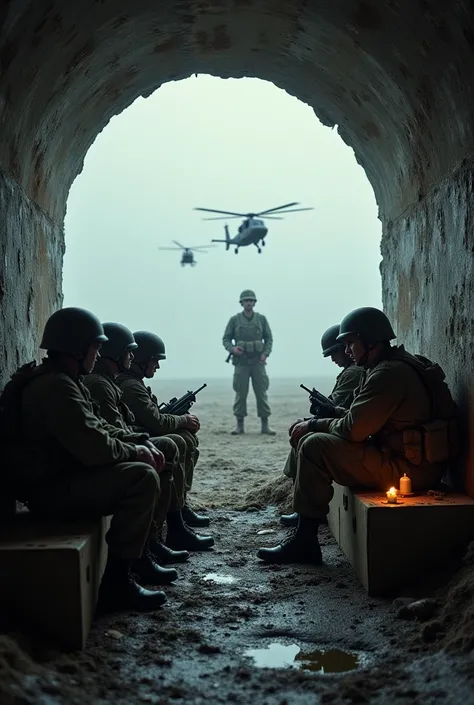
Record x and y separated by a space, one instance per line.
393 75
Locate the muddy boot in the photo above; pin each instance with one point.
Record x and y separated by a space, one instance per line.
289 519
193 519
165 555
266 428
301 546
239 427
149 572
119 592
181 537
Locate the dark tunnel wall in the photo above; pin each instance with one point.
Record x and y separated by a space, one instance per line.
393 75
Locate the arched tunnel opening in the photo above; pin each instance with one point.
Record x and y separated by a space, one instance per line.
395 78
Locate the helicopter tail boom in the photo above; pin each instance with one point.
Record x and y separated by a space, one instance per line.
227 238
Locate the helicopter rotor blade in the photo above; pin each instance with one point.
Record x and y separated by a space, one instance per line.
270 210
180 245
224 217
170 248
273 217
213 210
201 247
293 210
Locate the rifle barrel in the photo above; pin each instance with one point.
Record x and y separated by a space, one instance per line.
200 388
306 389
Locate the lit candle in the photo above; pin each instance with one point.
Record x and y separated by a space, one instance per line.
392 496
405 484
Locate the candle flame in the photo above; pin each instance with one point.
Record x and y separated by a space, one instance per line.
392 492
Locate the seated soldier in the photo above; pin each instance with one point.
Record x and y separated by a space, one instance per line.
116 355
182 429
386 432
342 395
66 462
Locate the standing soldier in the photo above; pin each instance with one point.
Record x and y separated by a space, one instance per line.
248 340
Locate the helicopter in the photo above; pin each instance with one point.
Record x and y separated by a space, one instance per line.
188 252
253 230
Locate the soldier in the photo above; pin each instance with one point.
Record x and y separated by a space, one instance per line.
182 429
342 395
66 462
248 340
116 355
386 432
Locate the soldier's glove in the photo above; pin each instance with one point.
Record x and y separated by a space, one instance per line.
323 411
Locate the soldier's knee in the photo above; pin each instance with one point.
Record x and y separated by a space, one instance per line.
145 479
168 447
180 444
312 446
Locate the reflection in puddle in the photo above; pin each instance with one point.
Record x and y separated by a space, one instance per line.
220 579
322 661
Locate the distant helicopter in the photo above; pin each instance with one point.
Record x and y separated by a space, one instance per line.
188 252
253 229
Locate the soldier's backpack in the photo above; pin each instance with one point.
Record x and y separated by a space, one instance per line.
11 400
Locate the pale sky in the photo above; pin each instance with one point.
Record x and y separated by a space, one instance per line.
240 145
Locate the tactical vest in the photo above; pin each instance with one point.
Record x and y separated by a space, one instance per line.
436 440
248 334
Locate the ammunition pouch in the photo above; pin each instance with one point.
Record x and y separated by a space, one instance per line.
432 442
251 347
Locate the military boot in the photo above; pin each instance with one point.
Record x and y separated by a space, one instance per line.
266 428
149 572
181 537
289 519
165 555
193 519
120 592
301 546
239 427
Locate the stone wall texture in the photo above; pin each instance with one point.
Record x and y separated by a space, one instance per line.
393 75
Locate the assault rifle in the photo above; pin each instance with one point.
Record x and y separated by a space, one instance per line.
317 397
182 405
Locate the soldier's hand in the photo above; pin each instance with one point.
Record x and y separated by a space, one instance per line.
290 430
299 430
160 460
263 357
237 350
192 423
144 455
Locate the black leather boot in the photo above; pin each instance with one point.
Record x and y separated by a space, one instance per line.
149 572
289 519
193 519
180 536
301 546
239 428
120 592
165 555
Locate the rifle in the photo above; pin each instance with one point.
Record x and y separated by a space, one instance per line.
315 396
182 405
228 358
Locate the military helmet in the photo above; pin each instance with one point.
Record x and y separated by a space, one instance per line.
150 346
247 294
71 330
329 342
370 324
120 340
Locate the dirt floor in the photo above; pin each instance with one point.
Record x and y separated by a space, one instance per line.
226 604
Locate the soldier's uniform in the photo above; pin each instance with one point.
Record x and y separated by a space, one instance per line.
253 334
347 382
144 406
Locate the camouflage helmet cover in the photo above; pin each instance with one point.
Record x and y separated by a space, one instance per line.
247 294
120 340
370 324
71 331
150 346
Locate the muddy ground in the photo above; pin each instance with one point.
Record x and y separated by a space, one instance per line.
193 651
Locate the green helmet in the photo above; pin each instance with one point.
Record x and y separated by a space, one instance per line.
120 340
329 342
150 346
71 330
247 294
370 324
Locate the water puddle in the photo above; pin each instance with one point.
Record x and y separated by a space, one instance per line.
321 661
219 579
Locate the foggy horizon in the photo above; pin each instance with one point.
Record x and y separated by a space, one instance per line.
240 145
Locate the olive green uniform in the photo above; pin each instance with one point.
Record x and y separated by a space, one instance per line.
253 334
365 447
342 395
72 464
144 407
108 397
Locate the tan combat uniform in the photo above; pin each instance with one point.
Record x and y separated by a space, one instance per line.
144 407
253 334
71 464
342 395
364 448
108 397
